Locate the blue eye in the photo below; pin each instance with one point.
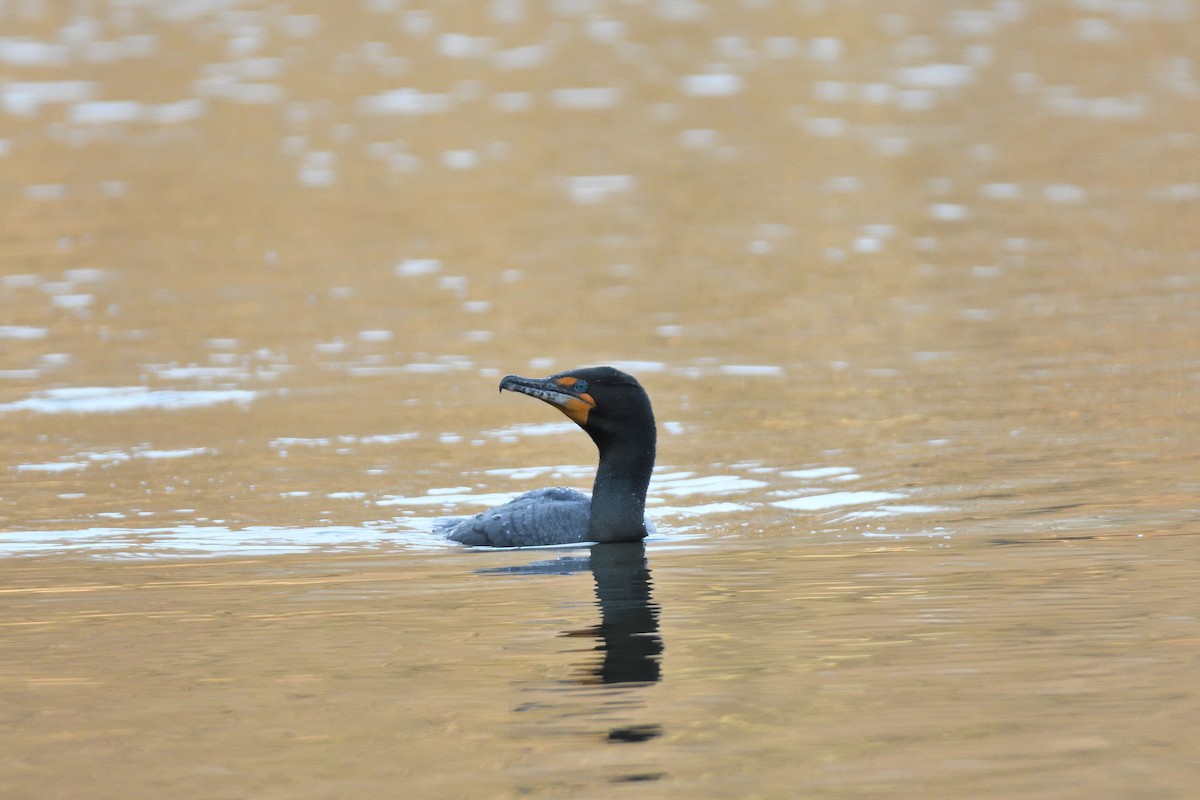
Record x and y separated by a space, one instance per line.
581 387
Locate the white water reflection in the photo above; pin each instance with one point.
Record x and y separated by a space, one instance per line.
214 540
668 512
711 85
684 484
822 502
54 466
707 508
25 98
449 500
891 511
586 98
405 102
83 460
512 432
586 189
22 332
816 473
561 472
107 400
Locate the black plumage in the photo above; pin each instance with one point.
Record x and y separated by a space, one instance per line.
614 410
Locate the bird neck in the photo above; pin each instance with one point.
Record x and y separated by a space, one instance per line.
619 493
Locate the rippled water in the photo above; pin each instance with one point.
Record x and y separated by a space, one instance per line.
916 293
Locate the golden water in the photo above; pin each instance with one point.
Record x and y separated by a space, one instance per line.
915 289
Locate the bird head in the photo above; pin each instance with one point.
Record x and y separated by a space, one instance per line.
607 403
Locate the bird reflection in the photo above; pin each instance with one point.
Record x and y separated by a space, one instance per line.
628 630
627 634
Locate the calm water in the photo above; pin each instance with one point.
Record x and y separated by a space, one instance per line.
915 291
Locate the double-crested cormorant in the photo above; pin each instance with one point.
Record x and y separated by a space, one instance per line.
612 407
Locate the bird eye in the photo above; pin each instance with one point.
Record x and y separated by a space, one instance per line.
580 386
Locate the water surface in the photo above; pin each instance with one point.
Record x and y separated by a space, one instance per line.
915 291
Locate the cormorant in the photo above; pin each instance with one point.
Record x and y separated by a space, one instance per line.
613 409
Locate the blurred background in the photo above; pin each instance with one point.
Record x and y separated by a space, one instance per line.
807 225
914 287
